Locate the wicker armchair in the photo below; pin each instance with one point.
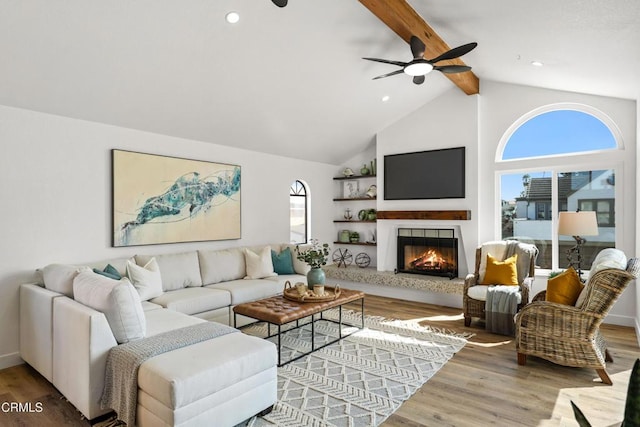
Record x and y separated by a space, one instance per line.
569 335
476 307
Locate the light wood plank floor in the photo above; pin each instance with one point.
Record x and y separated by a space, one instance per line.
481 385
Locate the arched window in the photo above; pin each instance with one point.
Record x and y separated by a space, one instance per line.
555 159
298 213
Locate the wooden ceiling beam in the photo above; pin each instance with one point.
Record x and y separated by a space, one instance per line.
405 22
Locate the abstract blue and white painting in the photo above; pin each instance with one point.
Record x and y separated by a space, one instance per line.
159 199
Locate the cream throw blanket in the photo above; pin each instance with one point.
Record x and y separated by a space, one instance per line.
121 377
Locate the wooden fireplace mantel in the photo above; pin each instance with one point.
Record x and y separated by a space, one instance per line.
436 215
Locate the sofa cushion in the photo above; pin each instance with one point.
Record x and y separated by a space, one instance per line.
178 270
59 278
282 279
249 289
194 300
282 262
479 292
148 306
117 299
164 320
299 266
221 265
259 264
213 365
146 279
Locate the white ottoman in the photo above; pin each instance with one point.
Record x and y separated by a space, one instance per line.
220 382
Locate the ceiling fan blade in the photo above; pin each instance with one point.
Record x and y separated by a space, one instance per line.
455 52
386 61
452 69
393 73
418 80
280 3
417 47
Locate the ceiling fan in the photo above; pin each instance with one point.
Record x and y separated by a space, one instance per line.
280 3
420 67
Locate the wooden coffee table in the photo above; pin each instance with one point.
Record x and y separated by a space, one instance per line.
280 311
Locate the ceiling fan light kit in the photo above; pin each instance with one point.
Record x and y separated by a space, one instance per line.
418 68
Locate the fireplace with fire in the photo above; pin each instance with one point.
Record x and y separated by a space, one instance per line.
428 251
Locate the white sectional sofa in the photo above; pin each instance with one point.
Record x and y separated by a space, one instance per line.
223 381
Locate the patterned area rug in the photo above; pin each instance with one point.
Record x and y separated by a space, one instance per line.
360 380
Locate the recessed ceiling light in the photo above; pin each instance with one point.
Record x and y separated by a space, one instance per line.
386 98
232 17
537 63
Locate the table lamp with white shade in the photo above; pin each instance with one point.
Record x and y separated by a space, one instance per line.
577 224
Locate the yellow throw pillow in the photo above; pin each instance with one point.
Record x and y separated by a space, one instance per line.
501 272
564 288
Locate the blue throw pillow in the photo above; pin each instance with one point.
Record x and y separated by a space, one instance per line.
109 271
282 262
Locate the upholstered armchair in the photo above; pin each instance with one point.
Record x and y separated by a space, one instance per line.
475 293
569 335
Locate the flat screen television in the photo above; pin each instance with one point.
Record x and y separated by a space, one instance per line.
435 174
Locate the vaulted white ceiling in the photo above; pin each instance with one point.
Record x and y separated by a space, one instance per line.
291 81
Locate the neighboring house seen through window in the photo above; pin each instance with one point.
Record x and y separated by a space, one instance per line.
532 194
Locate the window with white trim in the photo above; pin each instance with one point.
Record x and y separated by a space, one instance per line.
540 173
298 215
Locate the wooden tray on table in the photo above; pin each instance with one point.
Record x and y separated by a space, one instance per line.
291 293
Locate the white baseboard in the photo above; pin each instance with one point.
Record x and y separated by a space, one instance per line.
615 319
9 360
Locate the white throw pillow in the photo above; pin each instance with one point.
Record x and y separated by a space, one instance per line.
606 258
117 299
259 265
299 267
147 280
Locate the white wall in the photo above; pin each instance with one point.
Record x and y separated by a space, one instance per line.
479 122
56 198
500 106
365 229
450 120
637 218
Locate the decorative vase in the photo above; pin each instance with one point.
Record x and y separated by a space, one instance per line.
315 276
364 170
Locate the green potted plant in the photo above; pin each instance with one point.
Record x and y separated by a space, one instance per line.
316 256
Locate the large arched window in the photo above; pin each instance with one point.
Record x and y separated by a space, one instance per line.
556 159
298 212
